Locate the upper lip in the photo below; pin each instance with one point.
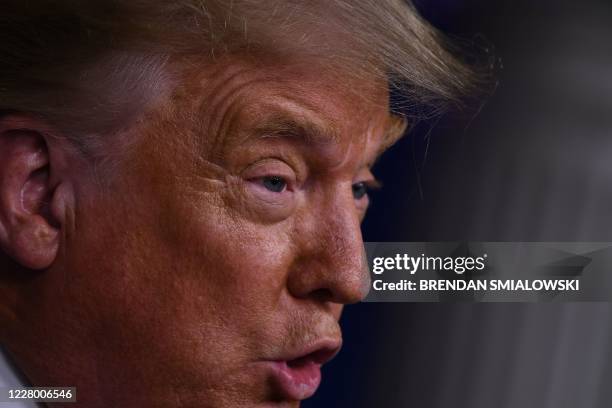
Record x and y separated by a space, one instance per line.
319 352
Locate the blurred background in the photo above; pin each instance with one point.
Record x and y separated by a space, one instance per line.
535 164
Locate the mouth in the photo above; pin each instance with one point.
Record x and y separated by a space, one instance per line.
298 375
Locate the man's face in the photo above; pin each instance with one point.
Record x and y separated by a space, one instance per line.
212 268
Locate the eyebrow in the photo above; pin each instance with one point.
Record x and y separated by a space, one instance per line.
298 127
302 128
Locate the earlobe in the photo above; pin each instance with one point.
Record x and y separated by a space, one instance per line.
29 229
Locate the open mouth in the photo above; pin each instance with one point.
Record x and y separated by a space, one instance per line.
319 356
298 378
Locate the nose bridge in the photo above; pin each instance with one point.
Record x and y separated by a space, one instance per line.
341 239
335 260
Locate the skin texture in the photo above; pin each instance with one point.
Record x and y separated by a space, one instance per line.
176 279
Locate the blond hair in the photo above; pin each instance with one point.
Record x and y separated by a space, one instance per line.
89 67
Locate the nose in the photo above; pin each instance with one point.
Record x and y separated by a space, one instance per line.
330 264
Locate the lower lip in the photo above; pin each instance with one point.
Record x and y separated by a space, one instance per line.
298 382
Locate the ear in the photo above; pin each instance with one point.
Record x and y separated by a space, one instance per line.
32 198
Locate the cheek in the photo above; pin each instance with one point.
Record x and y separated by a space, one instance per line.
187 281
239 268
236 273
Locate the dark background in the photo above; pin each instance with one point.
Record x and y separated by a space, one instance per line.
534 165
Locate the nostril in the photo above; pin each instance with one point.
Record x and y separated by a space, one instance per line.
322 295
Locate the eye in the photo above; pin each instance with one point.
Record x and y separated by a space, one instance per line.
360 190
270 187
276 184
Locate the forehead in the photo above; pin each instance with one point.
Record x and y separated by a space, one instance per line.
318 100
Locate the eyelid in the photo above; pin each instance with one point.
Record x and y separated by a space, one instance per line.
365 175
372 184
269 167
